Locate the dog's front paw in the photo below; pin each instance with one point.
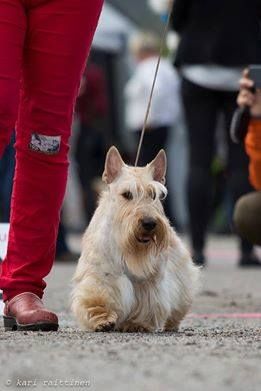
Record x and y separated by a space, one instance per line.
106 326
101 320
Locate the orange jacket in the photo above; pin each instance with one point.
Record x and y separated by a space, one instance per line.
253 149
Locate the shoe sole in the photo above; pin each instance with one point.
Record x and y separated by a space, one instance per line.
10 324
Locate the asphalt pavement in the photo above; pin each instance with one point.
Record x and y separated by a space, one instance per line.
218 346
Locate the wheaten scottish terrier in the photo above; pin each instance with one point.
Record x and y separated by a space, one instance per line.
134 273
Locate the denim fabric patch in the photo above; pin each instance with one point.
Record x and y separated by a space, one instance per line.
49 145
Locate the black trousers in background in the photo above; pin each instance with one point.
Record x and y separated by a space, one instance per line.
90 156
154 140
202 107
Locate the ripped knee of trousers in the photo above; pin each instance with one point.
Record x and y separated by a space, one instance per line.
49 147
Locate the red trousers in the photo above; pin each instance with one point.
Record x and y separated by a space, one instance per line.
43 48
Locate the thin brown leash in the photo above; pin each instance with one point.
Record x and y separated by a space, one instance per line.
162 45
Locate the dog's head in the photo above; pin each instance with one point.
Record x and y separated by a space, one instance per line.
141 227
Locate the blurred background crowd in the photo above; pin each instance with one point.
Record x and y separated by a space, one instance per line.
209 44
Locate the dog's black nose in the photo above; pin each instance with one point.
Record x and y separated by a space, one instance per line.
148 223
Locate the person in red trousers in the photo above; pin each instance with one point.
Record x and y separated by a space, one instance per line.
44 45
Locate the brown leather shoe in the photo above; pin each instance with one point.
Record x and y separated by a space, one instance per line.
26 312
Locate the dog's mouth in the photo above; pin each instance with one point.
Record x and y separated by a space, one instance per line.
145 239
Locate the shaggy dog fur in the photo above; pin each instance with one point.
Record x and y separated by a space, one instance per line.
134 273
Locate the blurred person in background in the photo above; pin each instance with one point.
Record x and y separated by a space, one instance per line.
217 39
63 252
165 108
247 214
92 110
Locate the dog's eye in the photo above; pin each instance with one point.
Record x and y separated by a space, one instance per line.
127 195
153 195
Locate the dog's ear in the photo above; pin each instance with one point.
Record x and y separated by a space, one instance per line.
159 167
113 165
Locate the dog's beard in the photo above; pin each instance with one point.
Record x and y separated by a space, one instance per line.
140 249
